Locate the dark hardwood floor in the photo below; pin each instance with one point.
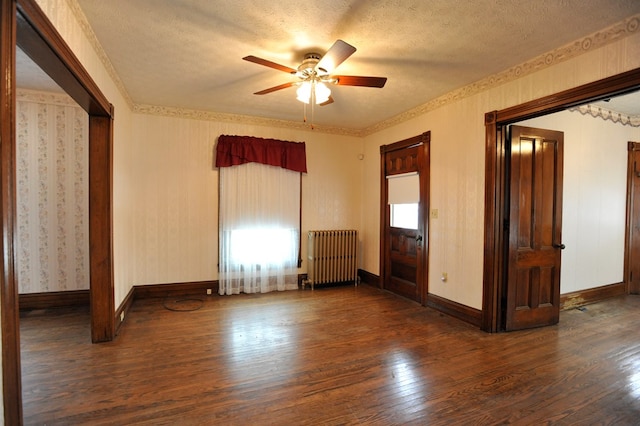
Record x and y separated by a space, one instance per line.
332 356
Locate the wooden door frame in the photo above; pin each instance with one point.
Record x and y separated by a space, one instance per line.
631 148
425 139
24 24
495 160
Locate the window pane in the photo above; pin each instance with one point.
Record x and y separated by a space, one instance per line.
266 246
404 216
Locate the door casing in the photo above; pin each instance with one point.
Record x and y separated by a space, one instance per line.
24 24
494 265
632 242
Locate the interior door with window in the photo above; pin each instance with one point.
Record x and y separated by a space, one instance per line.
532 288
404 228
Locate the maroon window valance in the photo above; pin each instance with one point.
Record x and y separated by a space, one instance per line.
235 150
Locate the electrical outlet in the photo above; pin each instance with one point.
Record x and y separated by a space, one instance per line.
208 292
121 316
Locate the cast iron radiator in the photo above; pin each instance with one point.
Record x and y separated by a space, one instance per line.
332 257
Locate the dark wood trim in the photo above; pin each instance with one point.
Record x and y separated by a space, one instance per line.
406 143
101 228
631 221
123 310
495 152
42 42
384 217
368 278
37 36
54 299
625 82
492 228
425 182
454 309
22 21
11 371
591 295
175 289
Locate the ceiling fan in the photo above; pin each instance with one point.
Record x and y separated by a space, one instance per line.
316 72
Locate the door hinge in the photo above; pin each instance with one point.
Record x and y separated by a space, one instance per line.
505 225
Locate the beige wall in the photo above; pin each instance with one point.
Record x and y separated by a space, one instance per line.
457 165
150 234
152 238
594 197
63 15
176 204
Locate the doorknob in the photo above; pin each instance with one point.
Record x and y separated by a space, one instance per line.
559 246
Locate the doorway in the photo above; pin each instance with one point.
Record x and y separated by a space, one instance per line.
24 24
404 224
497 209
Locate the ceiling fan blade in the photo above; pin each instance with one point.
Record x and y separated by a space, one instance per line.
356 80
273 89
327 102
269 64
336 55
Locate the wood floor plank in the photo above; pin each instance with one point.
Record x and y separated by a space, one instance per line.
332 356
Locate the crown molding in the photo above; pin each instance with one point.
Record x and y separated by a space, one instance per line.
571 50
593 41
97 47
239 119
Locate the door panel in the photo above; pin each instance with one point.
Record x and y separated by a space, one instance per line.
535 226
402 275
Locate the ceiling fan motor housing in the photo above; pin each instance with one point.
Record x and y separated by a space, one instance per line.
307 69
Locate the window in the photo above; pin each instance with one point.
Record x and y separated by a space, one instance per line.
259 217
404 216
403 195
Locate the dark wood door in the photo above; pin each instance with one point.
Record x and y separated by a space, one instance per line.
535 227
633 188
404 251
403 260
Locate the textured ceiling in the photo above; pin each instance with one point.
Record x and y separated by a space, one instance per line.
188 53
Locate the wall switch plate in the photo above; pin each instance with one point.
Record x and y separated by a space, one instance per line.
434 213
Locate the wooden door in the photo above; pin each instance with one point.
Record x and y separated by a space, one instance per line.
633 218
403 262
535 227
404 250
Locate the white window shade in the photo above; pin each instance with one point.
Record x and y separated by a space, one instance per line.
404 188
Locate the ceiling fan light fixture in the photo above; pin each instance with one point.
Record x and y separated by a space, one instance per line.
303 93
322 93
313 90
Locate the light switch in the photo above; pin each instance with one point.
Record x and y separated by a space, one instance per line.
434 213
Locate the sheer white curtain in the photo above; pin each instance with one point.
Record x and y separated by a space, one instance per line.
259 228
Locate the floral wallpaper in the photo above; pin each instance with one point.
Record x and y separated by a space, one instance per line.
52 193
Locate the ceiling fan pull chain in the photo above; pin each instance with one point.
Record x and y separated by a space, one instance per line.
313 102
